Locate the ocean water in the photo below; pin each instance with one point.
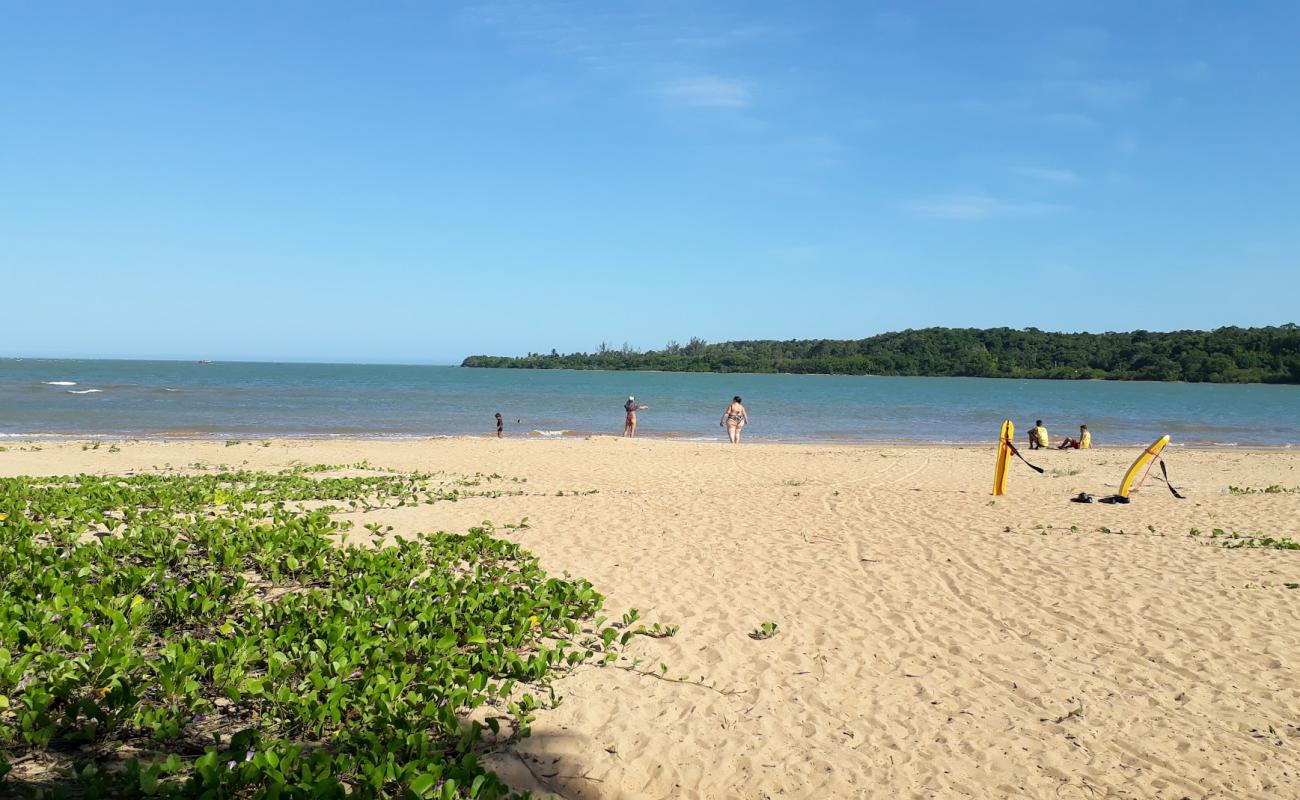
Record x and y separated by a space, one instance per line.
45 397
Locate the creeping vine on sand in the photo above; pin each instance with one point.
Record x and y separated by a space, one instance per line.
211 635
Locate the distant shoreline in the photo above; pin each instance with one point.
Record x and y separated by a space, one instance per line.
1044 378
13 441
1224 355
875 375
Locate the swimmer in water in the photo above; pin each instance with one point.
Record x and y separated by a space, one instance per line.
735 418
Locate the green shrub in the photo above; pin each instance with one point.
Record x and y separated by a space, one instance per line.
213 631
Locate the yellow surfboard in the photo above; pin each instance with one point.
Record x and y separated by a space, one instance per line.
1147 455
1004 458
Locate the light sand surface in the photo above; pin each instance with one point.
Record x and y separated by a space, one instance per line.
933 641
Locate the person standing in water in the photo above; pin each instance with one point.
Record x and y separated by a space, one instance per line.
501 424
629 423
735 418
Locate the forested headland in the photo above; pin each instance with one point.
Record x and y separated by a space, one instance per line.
1224 355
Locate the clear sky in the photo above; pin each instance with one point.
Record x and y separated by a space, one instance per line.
419 181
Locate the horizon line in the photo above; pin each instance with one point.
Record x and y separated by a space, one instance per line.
238 360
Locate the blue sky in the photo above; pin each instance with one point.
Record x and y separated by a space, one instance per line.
421 181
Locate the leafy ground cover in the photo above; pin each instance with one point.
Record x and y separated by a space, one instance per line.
1235 541
210 636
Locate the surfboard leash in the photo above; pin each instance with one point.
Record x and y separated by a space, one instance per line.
1165 472
1014 450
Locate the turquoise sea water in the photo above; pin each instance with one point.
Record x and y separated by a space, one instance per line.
231 400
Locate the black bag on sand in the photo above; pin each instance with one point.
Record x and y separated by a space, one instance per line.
1081 497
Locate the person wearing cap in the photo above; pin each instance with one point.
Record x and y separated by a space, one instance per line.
631 407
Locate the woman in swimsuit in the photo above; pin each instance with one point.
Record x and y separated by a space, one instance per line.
629 423
735 418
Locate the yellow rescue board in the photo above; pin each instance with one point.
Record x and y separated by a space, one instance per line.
1004 458
1142 460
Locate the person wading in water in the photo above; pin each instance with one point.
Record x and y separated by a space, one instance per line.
735 418
629 423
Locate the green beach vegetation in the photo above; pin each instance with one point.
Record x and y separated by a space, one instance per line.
212 636
1224 355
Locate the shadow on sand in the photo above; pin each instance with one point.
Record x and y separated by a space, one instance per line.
544 764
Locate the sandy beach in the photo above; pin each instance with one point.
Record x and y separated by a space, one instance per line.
932 641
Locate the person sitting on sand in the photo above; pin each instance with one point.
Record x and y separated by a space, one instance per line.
1084 442
1038 436
629 423
500 424
735 418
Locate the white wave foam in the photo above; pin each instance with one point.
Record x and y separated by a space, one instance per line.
549 434
59 383
84 391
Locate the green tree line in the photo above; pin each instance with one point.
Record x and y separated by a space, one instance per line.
1225 355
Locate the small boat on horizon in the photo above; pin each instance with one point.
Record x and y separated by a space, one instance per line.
205 361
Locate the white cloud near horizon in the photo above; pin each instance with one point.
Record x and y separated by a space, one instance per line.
707 91
1065 119
726 37
1189 70
974 207
894 22
665 55
1048 174
1105 95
